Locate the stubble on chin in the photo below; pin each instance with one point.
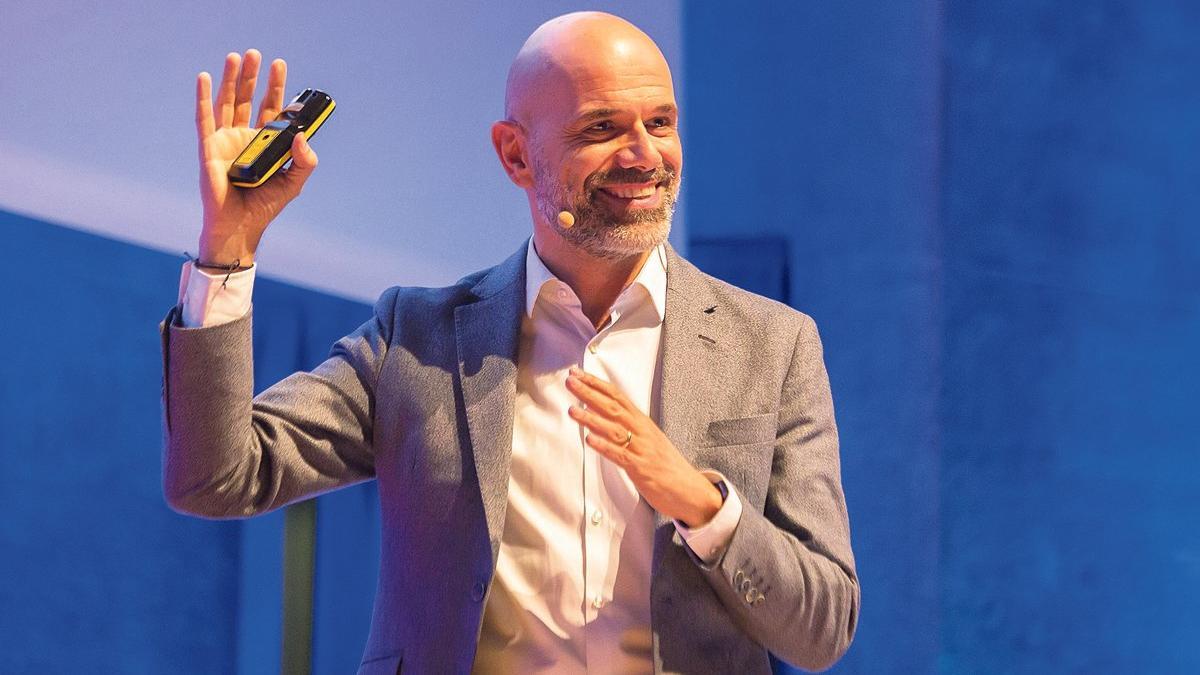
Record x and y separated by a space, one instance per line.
600 233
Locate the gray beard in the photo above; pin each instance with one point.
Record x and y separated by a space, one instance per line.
599 233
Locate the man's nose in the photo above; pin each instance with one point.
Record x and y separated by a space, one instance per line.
639 152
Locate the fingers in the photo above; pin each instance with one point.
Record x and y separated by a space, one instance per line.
227 94
596 383
599 395
272 102
204 110
243 103
604 414
304 162
598 425
614 452
235 98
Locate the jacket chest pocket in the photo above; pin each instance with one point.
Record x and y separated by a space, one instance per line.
742 449
741 430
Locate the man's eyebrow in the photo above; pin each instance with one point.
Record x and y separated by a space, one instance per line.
604 113
596 114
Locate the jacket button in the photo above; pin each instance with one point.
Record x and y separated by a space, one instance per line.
477 591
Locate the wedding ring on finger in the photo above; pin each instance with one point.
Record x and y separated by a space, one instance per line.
628 438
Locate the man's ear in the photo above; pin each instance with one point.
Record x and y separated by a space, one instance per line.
509 140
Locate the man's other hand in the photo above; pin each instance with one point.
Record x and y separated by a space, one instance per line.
631 440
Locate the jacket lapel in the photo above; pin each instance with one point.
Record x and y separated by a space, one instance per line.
487 332
691 346
689 343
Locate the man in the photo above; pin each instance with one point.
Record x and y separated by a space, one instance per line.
591 457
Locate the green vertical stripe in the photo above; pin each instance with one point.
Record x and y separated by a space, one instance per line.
299 548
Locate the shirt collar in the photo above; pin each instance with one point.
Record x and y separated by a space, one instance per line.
652 277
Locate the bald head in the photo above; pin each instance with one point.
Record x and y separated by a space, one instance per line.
567 54
591 130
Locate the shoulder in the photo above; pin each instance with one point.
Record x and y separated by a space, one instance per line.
757 313
429 301
429 306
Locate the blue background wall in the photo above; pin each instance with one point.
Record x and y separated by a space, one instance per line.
991 211
1071 462
94 568
820 125
992 214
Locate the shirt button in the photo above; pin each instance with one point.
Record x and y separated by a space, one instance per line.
562 294
597 602
597 517
477 591
592 347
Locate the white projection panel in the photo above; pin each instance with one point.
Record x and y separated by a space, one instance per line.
98 132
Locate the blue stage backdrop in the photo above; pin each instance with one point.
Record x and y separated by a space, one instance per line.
96 573
1071 466
992 213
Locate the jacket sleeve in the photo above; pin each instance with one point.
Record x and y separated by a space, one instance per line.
787 576
228 454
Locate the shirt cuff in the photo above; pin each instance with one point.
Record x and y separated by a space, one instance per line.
211 299
709 541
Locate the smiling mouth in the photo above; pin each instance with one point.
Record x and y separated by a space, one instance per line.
634 191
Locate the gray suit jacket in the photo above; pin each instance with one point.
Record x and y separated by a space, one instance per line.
420 398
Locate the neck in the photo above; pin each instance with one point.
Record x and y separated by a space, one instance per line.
597 281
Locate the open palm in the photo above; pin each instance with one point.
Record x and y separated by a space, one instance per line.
235 218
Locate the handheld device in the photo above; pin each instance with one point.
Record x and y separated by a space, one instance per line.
272 146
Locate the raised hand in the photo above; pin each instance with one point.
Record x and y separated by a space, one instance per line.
235 218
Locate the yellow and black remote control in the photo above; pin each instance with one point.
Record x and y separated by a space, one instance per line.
272 146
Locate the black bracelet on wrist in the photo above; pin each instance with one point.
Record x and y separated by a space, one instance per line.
235 266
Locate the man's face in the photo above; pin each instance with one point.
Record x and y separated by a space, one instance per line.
607 149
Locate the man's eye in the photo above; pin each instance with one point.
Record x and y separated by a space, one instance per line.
660 122
601 126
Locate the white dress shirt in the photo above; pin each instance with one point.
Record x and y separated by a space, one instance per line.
571 590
